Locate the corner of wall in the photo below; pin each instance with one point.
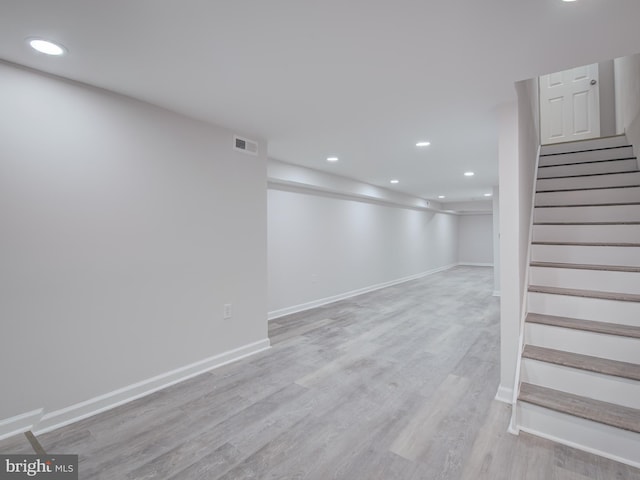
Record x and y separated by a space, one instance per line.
504 394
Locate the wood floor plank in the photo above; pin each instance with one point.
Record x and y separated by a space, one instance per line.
411 368
209 466
535 460
559 473
413 441
17 444
583 464
292 333
328 370
482 463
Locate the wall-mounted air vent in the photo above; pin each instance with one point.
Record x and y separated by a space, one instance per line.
245 145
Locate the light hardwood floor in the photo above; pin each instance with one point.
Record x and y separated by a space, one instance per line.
394 384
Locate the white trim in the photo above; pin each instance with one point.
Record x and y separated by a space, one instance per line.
474 264
79 411
306 188
466 213
20 423
513 423
504 394
568 443
496 293
353 293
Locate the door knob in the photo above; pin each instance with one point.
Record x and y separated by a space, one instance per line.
594 81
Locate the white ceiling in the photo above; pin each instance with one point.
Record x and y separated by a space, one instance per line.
360 79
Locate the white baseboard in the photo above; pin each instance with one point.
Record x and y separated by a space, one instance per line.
504 395
473 264
353 293
20 423
40 423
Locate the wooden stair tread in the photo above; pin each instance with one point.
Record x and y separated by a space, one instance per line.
595 410
589 363
590 174
581 151
581 162
574 292
586 325
613 204
587 188
581 266
586 223
589 244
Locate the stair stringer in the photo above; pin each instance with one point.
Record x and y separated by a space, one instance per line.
513 422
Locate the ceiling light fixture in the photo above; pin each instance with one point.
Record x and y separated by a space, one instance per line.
46 47
469 174
423 144
568 0
394 181
441 196
332 159
488 194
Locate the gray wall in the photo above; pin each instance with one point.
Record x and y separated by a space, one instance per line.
124 231
510 210
496 241
518 147
627 77
475 239
528 143
607 93
322 245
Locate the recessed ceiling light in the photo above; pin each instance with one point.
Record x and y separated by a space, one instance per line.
488 194
568 0
469 174
394 181
46 47
441 196
423 144
332 159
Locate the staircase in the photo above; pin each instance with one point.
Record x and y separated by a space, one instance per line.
580 363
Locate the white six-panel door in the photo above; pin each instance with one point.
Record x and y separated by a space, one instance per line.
570 105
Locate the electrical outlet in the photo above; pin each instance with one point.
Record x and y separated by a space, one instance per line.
227 311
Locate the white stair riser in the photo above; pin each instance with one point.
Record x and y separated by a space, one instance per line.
624 256
616 213
587 233
600 280
615 141
597 309
587 156
615 443
605 388
612 166
581 197
613 347
593 181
